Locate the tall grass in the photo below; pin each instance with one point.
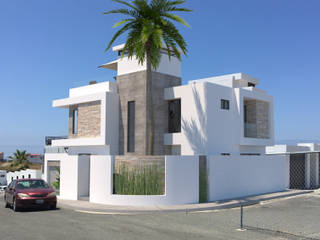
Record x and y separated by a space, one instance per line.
143 179
203 184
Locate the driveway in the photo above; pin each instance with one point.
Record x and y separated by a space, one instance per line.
294 218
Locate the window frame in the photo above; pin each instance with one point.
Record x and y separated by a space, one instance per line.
225 104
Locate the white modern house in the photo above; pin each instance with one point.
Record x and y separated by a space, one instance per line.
220 124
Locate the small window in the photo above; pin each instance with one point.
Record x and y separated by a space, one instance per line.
250 154
11 178
17 177
225 104
75 121
29 176
225 154
22 176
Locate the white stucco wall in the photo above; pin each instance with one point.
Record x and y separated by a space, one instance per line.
209 130
182 183
23 174
69 177
240 176
166 66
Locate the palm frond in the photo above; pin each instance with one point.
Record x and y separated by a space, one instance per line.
122 22
121 31
125 3
175 18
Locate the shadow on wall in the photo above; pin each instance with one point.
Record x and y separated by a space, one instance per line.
195 126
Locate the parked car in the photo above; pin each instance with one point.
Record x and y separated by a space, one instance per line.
27 193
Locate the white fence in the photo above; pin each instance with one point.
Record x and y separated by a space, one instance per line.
181 183
228 177
240 176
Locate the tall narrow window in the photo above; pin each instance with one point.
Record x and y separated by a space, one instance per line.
131 126
75 121
175 116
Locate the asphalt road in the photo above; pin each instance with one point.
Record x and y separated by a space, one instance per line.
295 218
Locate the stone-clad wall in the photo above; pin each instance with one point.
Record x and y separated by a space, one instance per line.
257 119
132 87
263 120
89 120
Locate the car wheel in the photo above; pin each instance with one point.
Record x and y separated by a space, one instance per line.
14 206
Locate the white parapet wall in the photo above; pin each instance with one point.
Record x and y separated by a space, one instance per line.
23 174
240 176
181 183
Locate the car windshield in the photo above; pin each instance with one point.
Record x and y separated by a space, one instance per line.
31 184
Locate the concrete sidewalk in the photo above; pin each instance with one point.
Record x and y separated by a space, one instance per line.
85 206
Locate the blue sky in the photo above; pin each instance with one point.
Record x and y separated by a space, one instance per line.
47 47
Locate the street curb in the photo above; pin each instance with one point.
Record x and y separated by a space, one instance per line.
228 204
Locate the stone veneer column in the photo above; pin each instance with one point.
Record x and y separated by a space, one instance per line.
132 87
89 120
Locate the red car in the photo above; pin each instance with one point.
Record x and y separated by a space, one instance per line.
27 193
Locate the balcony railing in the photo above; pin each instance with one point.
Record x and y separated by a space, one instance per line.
50 149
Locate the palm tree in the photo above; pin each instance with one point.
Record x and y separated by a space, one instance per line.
19 157
149 25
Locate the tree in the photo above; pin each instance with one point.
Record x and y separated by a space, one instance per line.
19 157
149 25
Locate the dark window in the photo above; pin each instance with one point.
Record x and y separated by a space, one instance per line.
250 154
131 126
23 176
225 154
225 104
11 178
251 84
29 176
245 113
174 116
17 177
74 121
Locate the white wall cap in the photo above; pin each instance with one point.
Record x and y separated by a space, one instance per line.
311 146
93 88
282 149
228 79
73 142
66 102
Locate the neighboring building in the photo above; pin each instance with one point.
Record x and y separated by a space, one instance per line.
303 170
1 156
3 178
220 119
35 158
23 174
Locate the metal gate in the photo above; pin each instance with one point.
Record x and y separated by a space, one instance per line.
297 171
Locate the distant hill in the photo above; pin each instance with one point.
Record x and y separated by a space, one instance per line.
296 141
